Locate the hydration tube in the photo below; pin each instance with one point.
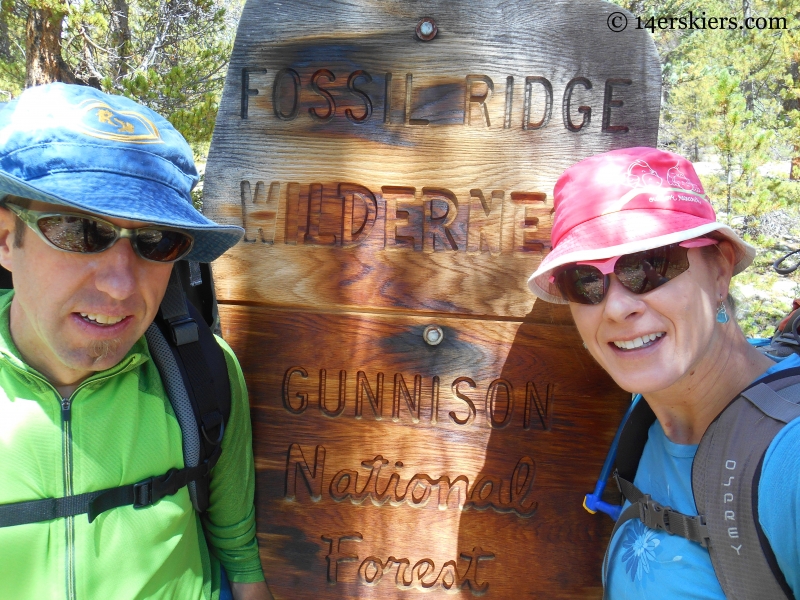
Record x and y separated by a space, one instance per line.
592 502
790 267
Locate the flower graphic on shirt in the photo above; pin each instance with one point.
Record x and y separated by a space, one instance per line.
638 548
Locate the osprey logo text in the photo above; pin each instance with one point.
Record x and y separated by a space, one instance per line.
727 498
99 120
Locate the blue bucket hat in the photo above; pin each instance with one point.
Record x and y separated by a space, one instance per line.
107 155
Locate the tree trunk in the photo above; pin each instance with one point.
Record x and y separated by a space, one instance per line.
43 62
5 41
747 84
794 104
121 35
729 169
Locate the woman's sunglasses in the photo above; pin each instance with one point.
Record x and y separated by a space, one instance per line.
88 235
587 282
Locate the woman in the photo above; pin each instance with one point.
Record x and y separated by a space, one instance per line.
645 267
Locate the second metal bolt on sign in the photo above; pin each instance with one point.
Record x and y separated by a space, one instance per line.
433 335
427 29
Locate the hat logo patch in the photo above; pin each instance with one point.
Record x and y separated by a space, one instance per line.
640 174
99 120
677 179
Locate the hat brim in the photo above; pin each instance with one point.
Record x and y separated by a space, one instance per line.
625 232
131 198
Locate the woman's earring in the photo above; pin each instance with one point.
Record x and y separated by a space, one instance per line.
722 313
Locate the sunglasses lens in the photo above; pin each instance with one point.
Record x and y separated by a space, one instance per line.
639 272
644 271
162 245
583 284
77 234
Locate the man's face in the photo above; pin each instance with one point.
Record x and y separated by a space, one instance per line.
75 314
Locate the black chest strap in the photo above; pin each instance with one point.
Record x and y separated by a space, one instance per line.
139 495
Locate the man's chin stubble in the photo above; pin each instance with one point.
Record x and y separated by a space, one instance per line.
100 350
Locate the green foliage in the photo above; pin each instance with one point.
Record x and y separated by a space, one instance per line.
732 101
12 51
763 297
170 56
732 97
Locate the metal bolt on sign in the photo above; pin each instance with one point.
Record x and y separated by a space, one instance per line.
433 335
427 29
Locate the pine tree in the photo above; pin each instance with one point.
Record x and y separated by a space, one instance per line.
731 96
170 55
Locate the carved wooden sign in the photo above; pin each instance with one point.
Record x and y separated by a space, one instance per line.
420 424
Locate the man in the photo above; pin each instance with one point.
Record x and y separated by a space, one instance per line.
95 209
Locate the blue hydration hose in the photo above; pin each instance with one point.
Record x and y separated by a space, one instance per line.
592 502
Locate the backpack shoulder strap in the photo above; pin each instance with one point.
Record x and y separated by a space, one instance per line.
725 475
632 440
195 375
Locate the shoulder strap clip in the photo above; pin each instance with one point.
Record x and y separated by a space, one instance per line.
656 516
184 331
143 493
653 514
175 312
151 490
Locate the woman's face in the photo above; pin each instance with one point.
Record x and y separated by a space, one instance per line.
672 327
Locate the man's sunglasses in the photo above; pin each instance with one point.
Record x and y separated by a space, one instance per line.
587 282
84 234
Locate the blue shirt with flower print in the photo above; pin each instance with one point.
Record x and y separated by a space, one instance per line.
653 565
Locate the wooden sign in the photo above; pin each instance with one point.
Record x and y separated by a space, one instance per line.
421 425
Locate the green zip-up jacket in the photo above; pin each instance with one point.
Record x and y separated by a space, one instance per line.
117 428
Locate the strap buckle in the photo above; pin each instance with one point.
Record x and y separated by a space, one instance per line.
184 331
654 515
151 490
143 493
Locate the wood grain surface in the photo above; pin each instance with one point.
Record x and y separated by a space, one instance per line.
387 185
529 395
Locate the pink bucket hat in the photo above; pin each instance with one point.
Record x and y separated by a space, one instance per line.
627 201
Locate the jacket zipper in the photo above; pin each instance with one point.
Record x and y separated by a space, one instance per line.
69 522
66 448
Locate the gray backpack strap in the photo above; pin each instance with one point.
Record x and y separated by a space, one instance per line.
725 476
781 407
197 371
181 405
663 518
